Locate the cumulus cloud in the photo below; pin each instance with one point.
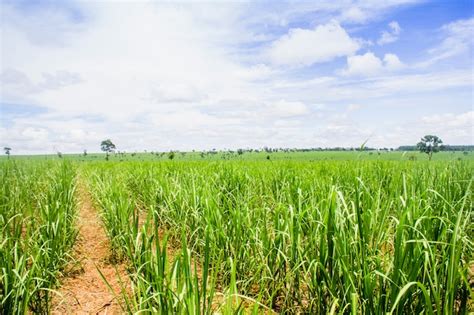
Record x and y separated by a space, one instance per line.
222 76
391 35
391 62
303 47
368 64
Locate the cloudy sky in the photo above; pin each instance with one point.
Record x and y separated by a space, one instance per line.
201 75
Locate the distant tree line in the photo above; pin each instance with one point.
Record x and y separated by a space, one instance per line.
271 150
445 147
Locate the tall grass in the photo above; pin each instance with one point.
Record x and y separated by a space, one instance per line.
159 283
37 231
250 236
340 237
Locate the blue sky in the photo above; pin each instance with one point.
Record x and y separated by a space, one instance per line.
199 75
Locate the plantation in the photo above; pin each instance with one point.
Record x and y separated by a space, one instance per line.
203 236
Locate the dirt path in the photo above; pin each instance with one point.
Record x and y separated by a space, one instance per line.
84 291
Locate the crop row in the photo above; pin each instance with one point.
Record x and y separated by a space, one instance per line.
328 237
37 232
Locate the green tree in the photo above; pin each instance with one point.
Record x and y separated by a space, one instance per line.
107 146
7 151
429 144
171 155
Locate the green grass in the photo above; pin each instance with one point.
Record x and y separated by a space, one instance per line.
324 232
253 156
37 231
371 236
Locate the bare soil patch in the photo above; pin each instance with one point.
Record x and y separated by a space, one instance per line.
84 291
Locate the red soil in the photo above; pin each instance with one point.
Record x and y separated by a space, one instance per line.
84 291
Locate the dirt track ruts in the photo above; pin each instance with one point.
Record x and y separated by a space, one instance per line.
84 291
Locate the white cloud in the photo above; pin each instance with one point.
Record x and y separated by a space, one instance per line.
355 14
257 72
59 79
303 47
16 86
131 61
361 12
162 76
350 89
462 120
284 108
368 64
353 107
391 35
450 127
395 27
458 39
36 134
418 83
344 131
392 63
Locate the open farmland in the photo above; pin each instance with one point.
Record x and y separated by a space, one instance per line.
246 235
237 157
262 155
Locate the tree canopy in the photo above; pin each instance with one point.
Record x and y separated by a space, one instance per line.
7 151
429 144
107 146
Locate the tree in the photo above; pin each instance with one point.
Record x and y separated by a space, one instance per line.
7 151
85 153
429 144
171 155
107 146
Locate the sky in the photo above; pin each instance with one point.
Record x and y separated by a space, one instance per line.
167 75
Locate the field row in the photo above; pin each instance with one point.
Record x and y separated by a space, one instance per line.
251 236
37 232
